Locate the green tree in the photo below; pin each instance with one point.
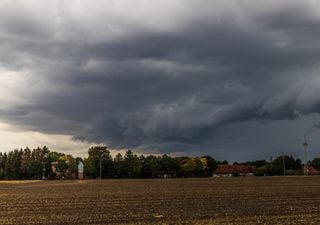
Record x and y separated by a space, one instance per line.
169 165
37 162
256 163
98 156
35 169
108 167
62 166
276 167
118 165
194 167
24 164
3 160
72 167
260 171
315 163
150 166
90 169
52 158
12 168
211 165
131 165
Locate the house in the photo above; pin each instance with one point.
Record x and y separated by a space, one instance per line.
233 170
311 170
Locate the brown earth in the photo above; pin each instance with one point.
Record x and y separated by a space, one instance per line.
241 200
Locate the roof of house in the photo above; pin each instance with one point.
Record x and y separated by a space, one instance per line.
232 169
312 171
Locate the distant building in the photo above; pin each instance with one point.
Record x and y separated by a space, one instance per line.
310 170
54 173
165 175
54 167
233 170
80 171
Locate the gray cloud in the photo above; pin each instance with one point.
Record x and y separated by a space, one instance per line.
160 81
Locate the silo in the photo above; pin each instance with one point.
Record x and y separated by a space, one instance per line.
80 171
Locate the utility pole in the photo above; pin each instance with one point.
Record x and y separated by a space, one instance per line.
100 167
43 171
306 167
283 164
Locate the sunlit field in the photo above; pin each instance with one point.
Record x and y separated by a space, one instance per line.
265 200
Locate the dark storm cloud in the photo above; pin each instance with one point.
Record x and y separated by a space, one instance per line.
161 86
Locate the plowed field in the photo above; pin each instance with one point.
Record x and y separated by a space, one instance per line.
265 200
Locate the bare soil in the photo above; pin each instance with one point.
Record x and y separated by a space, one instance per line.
241 200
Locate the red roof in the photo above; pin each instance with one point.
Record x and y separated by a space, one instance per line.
233 169
312 171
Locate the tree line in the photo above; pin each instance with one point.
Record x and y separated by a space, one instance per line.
41 163
131 165
37 164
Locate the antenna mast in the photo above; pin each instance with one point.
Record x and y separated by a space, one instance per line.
306 166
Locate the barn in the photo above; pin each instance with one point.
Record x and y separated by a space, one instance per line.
233 170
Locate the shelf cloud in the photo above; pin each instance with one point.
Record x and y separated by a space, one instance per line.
161 75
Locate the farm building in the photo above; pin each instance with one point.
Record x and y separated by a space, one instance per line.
165 175
311 171
80 171
233 170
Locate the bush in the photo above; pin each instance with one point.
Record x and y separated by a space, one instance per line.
261 171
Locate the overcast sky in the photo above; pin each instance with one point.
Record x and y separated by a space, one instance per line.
234 79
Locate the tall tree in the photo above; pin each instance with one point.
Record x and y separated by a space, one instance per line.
211 165
315 163
169 165
24 165
118 165
3 160
131 165
12 167
194 167
99 159
150 166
